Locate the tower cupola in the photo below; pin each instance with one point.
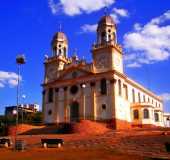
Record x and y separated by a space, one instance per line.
60 44
106 30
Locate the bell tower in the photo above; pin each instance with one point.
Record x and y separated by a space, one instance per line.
59 44
106 31
58 60
107 54
60 49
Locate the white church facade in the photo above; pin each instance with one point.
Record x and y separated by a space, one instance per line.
74 89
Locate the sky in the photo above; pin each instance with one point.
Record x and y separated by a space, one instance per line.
27 27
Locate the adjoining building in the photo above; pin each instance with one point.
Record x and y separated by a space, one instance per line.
167 119
74 89
24 109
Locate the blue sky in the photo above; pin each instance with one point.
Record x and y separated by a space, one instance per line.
28 26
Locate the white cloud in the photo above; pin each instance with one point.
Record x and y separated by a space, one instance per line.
24 96
149 43
53 6
76 7
8 79
1 85
133 65
165 96
13 82
115 18
137 27
86 28
119 13
116 15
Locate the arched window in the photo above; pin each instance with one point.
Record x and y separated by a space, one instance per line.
49 112
65 51
126 91
156 117
59 51
114 37
55 50
144 99
146 113
103 86
103 107
136 114
103 36
50 95
120 87
133 95
148 99
109 37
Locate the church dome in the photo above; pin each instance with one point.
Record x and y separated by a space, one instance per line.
59 36
106 20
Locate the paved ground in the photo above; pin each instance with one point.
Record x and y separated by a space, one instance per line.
111 145
135 143
67 154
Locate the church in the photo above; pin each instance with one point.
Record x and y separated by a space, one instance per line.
75 90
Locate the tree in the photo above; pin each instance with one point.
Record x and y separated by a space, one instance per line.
3 126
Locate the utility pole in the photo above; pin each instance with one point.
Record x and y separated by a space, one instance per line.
20 60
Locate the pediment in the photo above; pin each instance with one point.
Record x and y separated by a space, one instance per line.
74 72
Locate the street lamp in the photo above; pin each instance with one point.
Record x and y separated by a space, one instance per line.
20 60
23 97
14 112
84 108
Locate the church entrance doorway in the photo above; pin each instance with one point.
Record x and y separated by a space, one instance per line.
74 112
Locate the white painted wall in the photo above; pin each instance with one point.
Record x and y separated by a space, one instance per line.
123 107
124 111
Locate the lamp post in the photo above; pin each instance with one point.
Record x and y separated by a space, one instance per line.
84 107
20 60
23 106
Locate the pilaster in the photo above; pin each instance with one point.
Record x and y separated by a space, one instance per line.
93 100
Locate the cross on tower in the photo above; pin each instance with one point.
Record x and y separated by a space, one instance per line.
60 26
106 11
